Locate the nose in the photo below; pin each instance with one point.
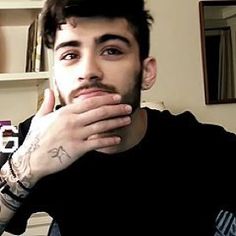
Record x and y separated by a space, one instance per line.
89 68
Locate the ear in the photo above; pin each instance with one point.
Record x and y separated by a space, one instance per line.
149 73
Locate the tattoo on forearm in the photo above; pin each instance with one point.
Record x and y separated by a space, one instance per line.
33 145
22 169
59 153
15 188
22 166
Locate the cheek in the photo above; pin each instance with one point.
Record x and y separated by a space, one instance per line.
123 77
63 85
125 82
65 77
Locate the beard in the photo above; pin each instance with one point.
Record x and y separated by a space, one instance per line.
132 97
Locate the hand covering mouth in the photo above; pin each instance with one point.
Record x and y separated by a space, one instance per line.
91 92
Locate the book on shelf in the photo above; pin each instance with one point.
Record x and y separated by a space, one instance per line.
4 122
35 47
6 133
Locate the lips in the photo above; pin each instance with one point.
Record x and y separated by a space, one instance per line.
87 93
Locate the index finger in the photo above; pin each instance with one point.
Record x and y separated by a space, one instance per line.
94 102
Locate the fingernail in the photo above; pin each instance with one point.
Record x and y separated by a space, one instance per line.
127 120
117 140
116 97
128 108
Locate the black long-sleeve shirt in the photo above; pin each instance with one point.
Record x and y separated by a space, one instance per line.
179 180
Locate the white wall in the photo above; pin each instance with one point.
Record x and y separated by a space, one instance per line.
18 101
176 45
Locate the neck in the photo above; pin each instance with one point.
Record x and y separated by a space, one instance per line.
130 135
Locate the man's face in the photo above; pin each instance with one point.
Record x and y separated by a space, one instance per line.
97 56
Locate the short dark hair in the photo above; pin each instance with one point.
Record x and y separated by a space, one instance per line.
55 13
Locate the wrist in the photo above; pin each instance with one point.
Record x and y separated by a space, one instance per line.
20 169
16 172
25 185
12 193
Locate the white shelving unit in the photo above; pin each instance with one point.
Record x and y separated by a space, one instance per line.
41 76
21 4
19 91
38 225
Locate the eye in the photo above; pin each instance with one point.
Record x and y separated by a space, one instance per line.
111 52
69 56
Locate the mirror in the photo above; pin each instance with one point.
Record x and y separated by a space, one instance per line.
218 39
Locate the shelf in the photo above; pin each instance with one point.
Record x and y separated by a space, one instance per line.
15 14
16 77
24 4
20 91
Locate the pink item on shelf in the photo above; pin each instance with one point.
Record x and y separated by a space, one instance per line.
5 122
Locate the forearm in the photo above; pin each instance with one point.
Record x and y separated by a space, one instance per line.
5 215
8 207
15 185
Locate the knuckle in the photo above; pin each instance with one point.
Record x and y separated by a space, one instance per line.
69 123
103 113
62 112
95 127
119 122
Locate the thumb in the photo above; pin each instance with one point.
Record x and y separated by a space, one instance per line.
48 103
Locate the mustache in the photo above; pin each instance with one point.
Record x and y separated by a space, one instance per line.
105 87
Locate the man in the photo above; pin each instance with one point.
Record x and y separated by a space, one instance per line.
101 164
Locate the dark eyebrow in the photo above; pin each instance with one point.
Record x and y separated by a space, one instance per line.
107 37
99 40
72 43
